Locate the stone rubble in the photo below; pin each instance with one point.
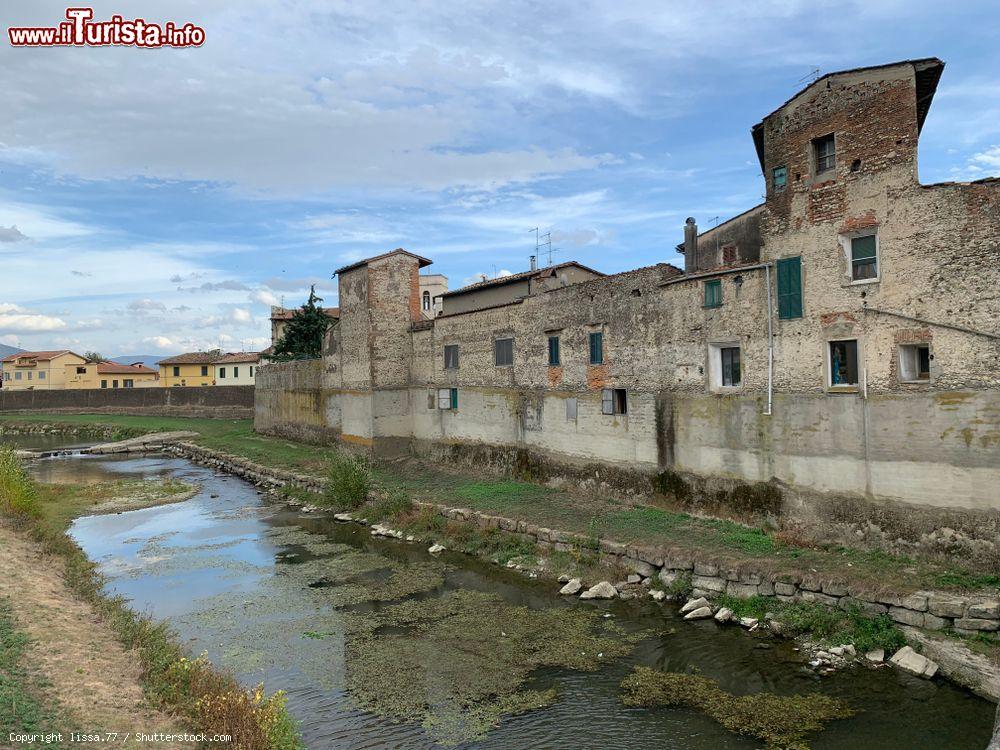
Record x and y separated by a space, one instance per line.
572 587
910 661
602 590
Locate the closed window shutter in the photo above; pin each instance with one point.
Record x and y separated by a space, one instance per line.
607 401
790 288
444 399
454 398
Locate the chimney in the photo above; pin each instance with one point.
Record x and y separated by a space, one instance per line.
690 245
534 263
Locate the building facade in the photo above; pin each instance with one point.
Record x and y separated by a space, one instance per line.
38 370
839 343
236 369
109 375
190 369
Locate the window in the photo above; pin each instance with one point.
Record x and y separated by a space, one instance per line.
843 362
614 401
596 341
790 288
177 372
251 371
104 384
448 398
713 293
730 356
779 177
236 372
825 153
554 351
914 363
17 375
41 375
571 410
128 384
81 370
864 258
30 375
204 371
114 383
222 373
451 357
426 300
503 352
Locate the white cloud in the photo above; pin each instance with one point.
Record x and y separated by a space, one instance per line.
141 306
263 297
16 319
160 342
11 234
241 315
476 278
980 165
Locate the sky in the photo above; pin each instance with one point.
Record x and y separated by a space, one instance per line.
158 201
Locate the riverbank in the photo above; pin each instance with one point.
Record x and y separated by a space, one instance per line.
676 552
104 668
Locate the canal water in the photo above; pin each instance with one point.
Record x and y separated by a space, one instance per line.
313 607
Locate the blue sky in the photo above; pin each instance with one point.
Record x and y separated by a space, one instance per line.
157 201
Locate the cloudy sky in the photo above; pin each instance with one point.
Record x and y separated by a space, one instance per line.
157 201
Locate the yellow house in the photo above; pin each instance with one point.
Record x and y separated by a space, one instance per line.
110 375
193 368
37 370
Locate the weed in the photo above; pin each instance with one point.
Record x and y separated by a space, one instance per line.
391 503
681 586
17 492
348 481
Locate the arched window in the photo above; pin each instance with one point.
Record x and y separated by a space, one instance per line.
427 300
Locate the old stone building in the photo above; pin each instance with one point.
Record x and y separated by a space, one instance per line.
838 342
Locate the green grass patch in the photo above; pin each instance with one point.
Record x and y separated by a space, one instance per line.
21 707
17 492
963 579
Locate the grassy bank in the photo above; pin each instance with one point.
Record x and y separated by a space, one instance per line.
654 523
22 706
208 700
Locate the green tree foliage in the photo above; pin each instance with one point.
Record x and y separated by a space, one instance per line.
96 357
303 336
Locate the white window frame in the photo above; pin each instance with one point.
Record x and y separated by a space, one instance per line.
909 363
845 243
715 366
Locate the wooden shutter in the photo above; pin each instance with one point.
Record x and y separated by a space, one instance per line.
444 398
790 288
607 401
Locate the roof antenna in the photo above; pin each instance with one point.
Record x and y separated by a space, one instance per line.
811 76
544 241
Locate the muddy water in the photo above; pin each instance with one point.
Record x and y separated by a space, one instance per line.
286 598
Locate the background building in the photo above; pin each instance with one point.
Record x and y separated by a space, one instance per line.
38 370
236 369
190 369
109 375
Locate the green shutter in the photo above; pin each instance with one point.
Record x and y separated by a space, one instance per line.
596 348
713 293
790 288
454 398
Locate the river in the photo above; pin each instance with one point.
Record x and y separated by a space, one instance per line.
310 606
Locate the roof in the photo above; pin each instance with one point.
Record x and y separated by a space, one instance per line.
117 368
421 261
191 358
331 312
710 230
238 357
540 273
928 72
38 355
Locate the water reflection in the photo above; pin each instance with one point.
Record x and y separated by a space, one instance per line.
283 598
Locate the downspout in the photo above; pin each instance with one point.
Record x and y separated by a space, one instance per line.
770 343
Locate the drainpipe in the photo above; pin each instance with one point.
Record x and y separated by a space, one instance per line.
770 343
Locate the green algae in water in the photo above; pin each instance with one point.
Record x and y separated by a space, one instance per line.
782 722
459 663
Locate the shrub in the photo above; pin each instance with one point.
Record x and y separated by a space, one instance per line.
348 481
681 586
17 492
392 503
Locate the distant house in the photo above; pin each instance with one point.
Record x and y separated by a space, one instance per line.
37 370
109 374
506 289
281 315
236 369
190 369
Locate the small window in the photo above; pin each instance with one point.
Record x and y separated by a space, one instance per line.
114 383
222 373
426 300
41 374
17 375
448 398
914 363
790 288
104 384
432 397
251 371
864 258
596 341
177 372
730 356
451 357
503 352
614 401
81 370
779 177
204 371
571 410
844 363
127 384
713 293
825 153
554 351
29 374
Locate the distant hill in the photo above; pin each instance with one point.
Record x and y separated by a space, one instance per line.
149 360
8 350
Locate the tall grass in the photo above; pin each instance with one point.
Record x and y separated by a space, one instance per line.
348 481
18 496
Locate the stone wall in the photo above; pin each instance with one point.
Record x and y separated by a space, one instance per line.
222 402
292 402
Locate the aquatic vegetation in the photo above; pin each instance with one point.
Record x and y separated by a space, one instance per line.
18 496
782 722
458 663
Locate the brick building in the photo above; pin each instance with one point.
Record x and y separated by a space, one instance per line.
838 341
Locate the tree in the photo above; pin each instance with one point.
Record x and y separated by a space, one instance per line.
96 357
303 336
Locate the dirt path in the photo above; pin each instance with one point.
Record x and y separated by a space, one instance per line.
94 681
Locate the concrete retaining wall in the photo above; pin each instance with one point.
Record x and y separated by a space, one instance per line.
221 402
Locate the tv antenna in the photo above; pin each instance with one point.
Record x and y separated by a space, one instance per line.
543 244
811 76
